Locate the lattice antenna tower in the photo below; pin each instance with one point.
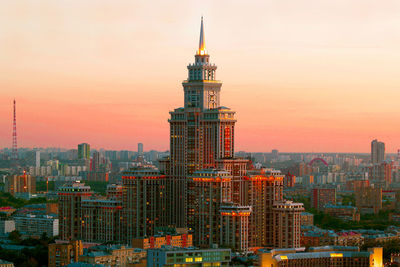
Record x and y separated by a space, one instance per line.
14 137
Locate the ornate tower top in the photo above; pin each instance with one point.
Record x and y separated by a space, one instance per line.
202 42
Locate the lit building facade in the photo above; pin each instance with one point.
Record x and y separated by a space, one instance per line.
169 256
70 197
235 227
102 220
262 192
287 224
175 240
144 202
208 189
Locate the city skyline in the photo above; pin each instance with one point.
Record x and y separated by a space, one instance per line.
114 92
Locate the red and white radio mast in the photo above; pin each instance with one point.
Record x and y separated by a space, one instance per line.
14 138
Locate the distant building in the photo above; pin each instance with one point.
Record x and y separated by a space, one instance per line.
169 256
377 152
368 199
381 174
61 254
37 159
140 149
84 151
20 184
322 196
307 218
353 185
347 213
289 180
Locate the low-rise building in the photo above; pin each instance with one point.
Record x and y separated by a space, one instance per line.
169 256
61 254
114 255
347 213
176 240
35 225
320 256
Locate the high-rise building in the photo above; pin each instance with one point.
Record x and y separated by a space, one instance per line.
208 189
235 227
322 196
102 220
200 132
262 192
70 197
144 202
84 151
377 151
287 224
140 149
37 159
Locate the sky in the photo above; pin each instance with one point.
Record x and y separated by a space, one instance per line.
303 76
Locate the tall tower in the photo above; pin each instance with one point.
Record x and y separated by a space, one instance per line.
201 132
14 138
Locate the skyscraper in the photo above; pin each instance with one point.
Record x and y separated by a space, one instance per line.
200 132
377 151
84 151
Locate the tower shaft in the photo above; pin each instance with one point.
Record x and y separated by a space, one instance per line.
14 136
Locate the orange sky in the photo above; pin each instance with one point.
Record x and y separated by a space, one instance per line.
304 75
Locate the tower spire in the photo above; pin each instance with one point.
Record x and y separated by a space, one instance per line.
202 43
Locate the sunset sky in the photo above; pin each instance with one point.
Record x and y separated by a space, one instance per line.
302 75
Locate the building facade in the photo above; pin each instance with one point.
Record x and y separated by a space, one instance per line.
235 227
208 190
144 202
70 197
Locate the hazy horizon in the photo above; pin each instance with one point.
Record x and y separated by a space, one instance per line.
302 76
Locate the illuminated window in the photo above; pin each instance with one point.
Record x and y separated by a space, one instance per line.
189 259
